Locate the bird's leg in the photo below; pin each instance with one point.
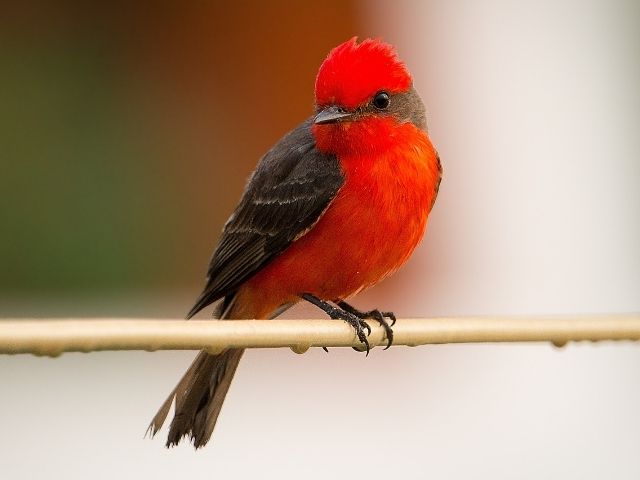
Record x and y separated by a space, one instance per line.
358 324
375 315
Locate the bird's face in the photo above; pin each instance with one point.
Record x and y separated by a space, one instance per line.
363 92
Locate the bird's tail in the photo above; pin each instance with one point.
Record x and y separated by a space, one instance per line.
199 396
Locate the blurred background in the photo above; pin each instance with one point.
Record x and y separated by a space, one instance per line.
127 132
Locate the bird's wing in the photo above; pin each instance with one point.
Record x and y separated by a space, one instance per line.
289 191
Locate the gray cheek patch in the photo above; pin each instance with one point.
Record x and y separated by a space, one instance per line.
408 107
404 107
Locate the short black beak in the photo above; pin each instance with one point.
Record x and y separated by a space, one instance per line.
332 114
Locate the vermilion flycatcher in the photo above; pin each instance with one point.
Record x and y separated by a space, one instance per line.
335 206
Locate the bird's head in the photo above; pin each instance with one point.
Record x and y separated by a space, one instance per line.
363 93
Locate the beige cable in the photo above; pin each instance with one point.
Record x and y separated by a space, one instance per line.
53 337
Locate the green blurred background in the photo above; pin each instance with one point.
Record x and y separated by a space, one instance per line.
127 132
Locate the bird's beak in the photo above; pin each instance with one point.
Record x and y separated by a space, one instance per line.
332 114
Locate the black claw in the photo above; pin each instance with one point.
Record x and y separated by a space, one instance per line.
379 316
366 326
391 316
375 315
325 349
358 324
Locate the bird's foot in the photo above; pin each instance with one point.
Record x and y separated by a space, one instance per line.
358 324
380 317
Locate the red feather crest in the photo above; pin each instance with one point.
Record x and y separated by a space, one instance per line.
352 73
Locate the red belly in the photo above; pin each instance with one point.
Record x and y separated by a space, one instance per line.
368 231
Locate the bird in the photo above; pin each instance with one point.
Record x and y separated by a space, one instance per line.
335 206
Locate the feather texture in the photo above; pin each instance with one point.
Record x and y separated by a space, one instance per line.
290 189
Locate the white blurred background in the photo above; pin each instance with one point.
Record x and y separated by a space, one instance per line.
535 110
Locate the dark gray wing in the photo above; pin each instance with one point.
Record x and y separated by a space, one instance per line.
291 187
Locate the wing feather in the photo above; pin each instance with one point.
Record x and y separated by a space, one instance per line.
290 189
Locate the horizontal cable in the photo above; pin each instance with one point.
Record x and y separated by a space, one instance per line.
53 337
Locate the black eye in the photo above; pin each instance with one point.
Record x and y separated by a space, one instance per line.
381 100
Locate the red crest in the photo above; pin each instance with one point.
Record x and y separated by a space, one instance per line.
353 72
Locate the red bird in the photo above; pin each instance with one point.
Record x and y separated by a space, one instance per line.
335 206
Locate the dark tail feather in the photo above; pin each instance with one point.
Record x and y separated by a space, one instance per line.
198 398
200 393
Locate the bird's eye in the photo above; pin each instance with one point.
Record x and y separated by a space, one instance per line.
381 100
